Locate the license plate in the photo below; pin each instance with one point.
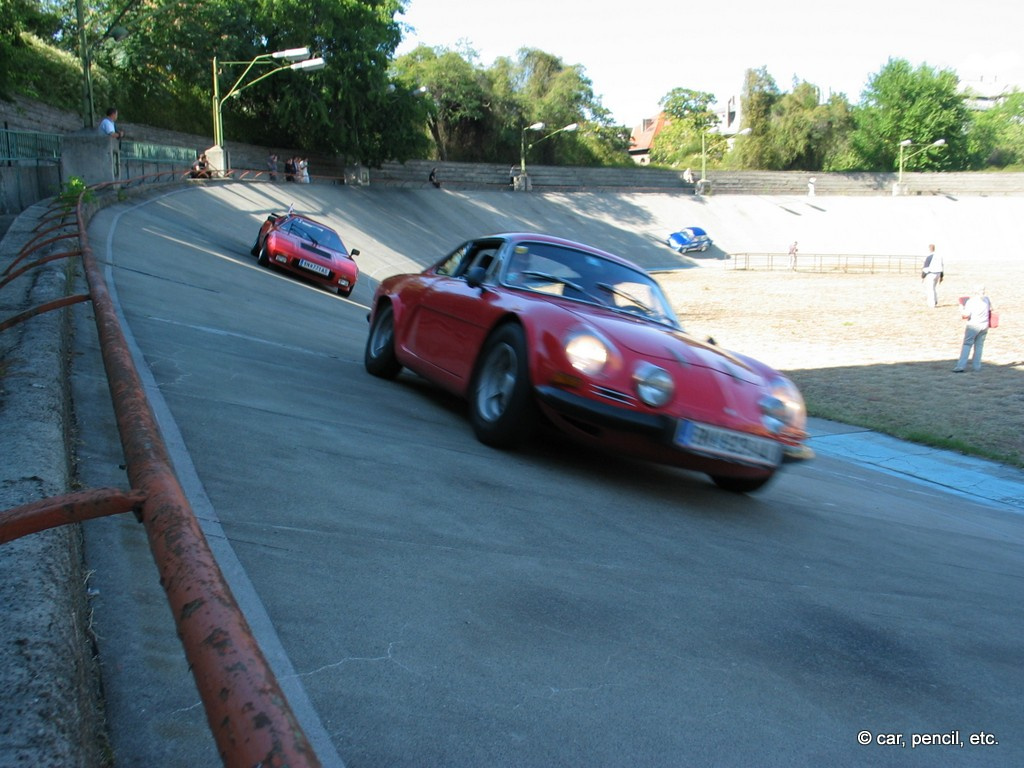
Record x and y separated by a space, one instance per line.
320 270
727 444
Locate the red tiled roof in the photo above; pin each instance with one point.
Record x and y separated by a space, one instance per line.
642 137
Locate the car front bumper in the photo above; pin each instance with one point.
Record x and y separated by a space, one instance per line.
658 428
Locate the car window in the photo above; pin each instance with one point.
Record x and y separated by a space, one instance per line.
317 233
477 253
560 271
451 263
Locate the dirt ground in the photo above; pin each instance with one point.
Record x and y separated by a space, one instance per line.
867 350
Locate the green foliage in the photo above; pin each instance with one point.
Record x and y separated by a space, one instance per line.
479 115
691 109
677 145
45 73
996 135
73 190
370 107
920 105
758 99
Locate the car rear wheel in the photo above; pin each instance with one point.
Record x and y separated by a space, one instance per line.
741 484
500 397
379 357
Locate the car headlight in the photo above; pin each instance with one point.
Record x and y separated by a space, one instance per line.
587 353
654 385
783 406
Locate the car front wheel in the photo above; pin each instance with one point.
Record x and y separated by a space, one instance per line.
379 358
264 258
501 403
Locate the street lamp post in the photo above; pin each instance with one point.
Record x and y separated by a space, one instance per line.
116 33
524 147
297 59
907 143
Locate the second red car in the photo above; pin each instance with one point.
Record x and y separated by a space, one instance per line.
307 248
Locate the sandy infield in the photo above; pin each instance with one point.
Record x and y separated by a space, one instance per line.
867 350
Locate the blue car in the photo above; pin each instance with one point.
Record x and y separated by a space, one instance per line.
689 239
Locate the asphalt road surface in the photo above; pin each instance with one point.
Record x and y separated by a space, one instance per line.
428 601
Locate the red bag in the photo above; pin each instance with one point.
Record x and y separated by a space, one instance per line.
993 319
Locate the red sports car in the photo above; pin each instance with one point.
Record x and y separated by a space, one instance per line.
528 326
309 249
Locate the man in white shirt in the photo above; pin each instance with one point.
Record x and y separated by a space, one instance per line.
977 311
931 273
108 125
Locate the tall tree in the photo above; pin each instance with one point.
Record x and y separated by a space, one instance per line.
807 135
684 140
457 94
692 108
996 135
758 99
919 105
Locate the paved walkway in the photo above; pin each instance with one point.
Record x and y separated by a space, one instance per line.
980 480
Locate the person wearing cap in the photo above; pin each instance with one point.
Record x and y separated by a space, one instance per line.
977 311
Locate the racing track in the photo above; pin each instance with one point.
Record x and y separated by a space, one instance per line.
428 601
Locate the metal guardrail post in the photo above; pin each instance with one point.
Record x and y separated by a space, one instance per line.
249 716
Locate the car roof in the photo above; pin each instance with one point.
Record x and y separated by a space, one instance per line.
537 237
310 220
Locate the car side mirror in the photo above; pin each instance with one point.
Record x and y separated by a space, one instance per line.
475 277
354 252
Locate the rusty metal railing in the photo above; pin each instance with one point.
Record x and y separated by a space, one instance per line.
251 720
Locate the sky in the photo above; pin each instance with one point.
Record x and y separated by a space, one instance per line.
635 54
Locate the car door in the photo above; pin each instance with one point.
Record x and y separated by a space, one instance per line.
452 318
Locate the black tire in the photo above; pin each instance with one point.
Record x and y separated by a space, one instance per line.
379 357
255 247
741 484
501 403
344 292
263 259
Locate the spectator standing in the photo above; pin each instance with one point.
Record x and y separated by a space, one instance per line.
432 178
272 166
108 125
977 311
289 169
792 256
303 167
932 274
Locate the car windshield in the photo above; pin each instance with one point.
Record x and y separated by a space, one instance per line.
561 271
316 233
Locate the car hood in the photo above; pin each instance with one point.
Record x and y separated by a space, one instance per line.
666 345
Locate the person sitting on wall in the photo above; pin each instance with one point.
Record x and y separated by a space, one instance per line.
200 168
